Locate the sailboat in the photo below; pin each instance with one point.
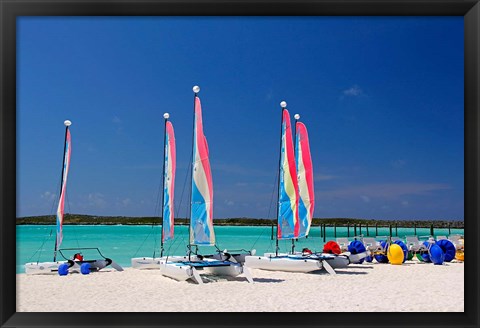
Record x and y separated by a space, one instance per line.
76 263
169 168
303 160
201 217
288 220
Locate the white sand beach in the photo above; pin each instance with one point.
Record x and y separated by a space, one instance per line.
367 287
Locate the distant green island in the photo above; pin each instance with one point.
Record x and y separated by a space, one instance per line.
76 219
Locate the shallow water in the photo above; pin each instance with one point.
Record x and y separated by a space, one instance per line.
122 242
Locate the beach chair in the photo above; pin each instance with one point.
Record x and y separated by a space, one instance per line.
343 243
455 239
371 245
414 245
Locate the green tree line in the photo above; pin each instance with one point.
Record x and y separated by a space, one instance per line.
114 220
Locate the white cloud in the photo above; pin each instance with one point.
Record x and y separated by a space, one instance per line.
48 195
97 199
353 91
366 199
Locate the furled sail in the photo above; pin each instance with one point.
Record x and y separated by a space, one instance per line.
61 201
305 179
169 183
288 223
201 219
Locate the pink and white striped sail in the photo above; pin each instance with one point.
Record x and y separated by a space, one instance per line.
305 179
61 202
169 183
201 216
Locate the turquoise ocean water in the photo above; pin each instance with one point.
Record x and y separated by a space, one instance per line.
122 242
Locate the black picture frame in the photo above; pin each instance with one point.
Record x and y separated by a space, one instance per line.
10 10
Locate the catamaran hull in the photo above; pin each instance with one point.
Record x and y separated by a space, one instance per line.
284 263
74 266
230 271
338 262
43 267
143 263
176 270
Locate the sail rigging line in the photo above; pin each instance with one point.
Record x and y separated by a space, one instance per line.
40 249
75 233
269 210
283 105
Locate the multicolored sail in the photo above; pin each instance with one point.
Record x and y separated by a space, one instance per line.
201 219
305 179
169 183
288 223
61 201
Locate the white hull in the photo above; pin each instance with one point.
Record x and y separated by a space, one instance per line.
338 262
43 267
232 270
283 263
177 271
182 271
52 267
143 263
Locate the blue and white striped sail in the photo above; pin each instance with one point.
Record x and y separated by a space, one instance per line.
169 183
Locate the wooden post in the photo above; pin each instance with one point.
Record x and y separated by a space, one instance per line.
449 232
415 229
390 228
335 230
376 229
396 229
348 229
354 229
321 230
431 230
368 234
360 228
324 232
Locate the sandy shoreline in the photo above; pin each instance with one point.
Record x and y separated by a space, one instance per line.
369 287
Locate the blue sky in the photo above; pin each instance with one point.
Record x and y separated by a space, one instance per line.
382 98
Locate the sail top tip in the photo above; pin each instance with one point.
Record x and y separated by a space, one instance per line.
67 123
196 89
283 104
166 116
297 116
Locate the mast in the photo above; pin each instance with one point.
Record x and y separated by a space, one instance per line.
67 123
196 90
297 117
283 104
165 116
